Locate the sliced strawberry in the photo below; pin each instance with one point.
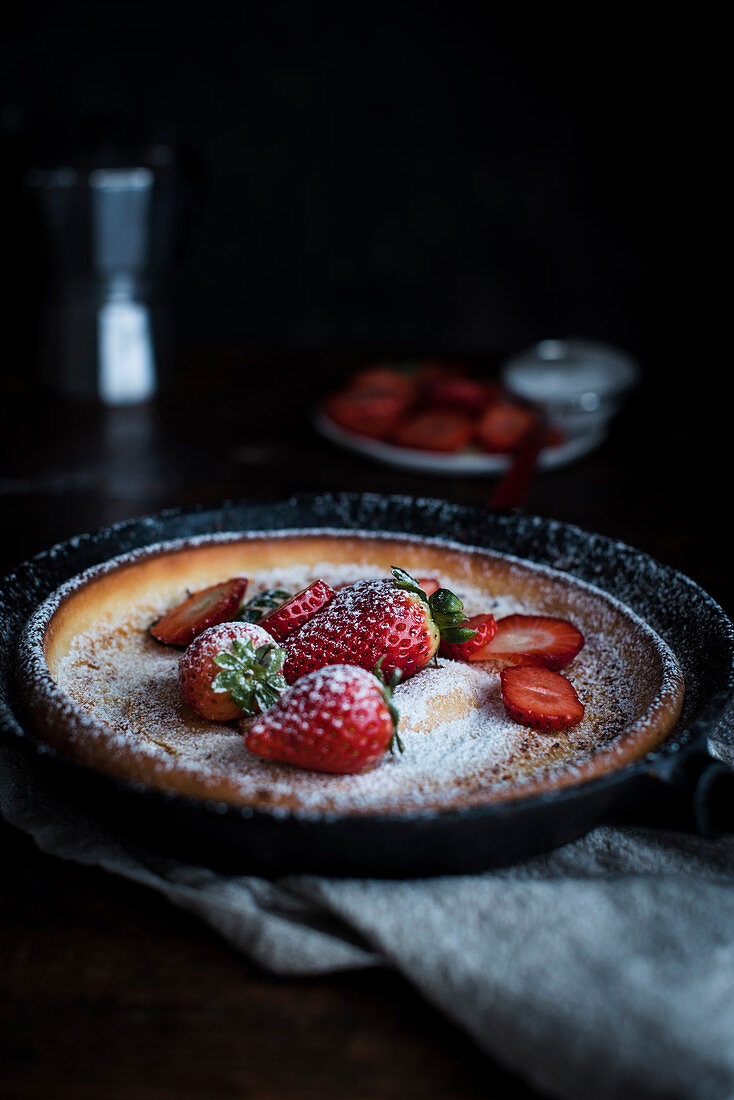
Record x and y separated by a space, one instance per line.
429 585
467 395
536 639
504 426
294 611
217 604
374 414
485 627
540 698
434 430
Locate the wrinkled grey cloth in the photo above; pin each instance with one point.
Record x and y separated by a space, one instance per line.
605 969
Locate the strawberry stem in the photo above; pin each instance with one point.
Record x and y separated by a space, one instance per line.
404 580
388 686
445 607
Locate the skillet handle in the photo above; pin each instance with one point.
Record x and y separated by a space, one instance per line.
713 800
699 796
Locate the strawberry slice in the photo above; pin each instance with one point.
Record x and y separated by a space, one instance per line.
217 604
532 639
485 627
540 698
434 430
290 614
504 426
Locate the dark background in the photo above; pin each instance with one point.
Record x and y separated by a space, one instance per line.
455 177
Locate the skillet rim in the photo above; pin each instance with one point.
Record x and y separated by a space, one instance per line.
661 762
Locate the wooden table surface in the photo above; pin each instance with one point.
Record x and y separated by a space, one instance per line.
105 989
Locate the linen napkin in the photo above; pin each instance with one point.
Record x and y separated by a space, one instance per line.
603 969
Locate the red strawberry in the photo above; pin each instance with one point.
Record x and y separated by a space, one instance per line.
231 670
290 614
375 415
540 698
485 627
337 719
374 619
504 426
434 430
532 639
217 604
466 395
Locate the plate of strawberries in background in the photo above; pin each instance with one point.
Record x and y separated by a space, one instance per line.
437 418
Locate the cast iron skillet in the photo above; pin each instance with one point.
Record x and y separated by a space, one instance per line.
680 786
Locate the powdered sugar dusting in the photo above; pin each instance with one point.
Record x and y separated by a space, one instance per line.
458 739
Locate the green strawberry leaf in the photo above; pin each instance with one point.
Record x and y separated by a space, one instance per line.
446 608
388 686
447 603
226 660
408 583
448 614
457 635
252 677
261 605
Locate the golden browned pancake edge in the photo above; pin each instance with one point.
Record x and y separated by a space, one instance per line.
105 592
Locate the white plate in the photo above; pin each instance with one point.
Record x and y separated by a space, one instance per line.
471 463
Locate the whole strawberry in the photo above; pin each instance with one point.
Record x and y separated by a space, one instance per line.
390 621
231 670
336 719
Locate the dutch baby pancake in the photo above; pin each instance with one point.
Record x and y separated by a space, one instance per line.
97 687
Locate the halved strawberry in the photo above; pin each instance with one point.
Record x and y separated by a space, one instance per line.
217 604
504 426
434 430
485 627
294 611
532 639
540 698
